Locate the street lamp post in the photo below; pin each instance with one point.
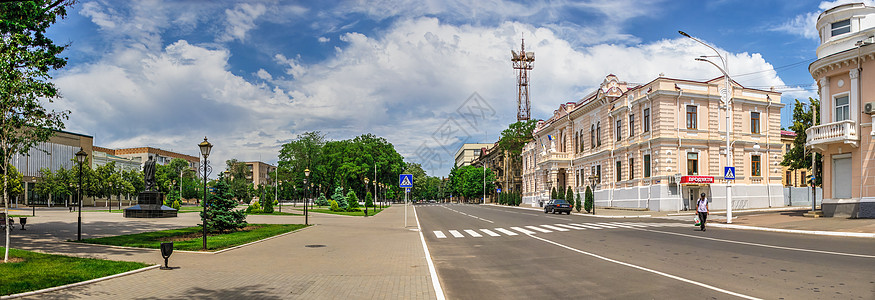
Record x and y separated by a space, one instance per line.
593 179
80 157
306 177
205 148
726 98
366 200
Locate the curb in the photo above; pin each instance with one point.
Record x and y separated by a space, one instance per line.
578 214
811 232
52 289
723 212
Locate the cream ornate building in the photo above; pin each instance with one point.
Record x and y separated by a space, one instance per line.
658 145
845 136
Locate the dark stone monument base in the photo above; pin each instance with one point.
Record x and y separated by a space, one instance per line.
150 205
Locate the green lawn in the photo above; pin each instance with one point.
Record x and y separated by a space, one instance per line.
34 271
191 238
184 209
276 213
361 213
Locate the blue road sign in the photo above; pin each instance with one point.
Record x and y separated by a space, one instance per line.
729 173
499 190
407 190
405 181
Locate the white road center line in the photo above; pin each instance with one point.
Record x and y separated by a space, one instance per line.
505 231
761 245
538 229
490 232
456 233
646 269
439 234
525 231
554 228
472 233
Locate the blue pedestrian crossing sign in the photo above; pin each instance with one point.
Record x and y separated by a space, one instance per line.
405 181
729 173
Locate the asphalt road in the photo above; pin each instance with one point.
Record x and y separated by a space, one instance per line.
488 252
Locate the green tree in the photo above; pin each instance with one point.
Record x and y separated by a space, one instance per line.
516 136
304 152
588 201
352 201
222 214
339 198
369 200
797 158
468 182
577 202
569 196
27 55
553 193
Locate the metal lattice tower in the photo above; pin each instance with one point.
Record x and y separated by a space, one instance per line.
523 61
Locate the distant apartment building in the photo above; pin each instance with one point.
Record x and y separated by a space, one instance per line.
162 157
468 152
259 173
507 169
659 145
847 109
103 156
795 178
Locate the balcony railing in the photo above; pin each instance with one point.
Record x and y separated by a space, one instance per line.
556 156
835 132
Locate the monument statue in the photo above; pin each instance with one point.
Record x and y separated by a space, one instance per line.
149 175
150 202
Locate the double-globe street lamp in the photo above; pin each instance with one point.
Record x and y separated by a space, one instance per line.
205 148
80 157
726 98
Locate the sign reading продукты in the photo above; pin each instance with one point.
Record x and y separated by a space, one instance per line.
405 181
729 173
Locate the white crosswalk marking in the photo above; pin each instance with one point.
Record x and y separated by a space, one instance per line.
524 231
554 227
505 231
617 225
588 226
473 233
490 232
539 229
570 226
534 229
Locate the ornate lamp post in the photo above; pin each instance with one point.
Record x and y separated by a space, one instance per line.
366 200
80 158
205 148
306 177
593 180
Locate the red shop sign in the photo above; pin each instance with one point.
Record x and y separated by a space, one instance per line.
697 179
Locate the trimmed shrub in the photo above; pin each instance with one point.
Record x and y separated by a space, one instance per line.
176 205
223 214
334 206
569 196
352 201
321 201
369 201
577 205
588 200
553 193
254 207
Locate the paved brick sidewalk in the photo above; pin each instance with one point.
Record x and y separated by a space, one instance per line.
362 258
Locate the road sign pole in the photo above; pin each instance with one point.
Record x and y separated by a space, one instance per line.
405 209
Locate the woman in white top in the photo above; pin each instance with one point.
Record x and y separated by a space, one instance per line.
702 209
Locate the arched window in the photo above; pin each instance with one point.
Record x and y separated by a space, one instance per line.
592 136
598 133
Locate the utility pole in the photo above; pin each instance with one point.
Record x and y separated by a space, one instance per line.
523 61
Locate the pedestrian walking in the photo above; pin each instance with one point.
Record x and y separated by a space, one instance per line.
702 209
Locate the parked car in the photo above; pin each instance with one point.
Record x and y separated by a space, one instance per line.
557 205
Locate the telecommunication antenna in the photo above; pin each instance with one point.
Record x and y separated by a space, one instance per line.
523 61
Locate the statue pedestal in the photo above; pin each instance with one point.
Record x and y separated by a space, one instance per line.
150 204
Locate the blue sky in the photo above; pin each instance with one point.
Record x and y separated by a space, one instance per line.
251 75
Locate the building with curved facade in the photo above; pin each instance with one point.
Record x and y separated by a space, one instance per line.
844 136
